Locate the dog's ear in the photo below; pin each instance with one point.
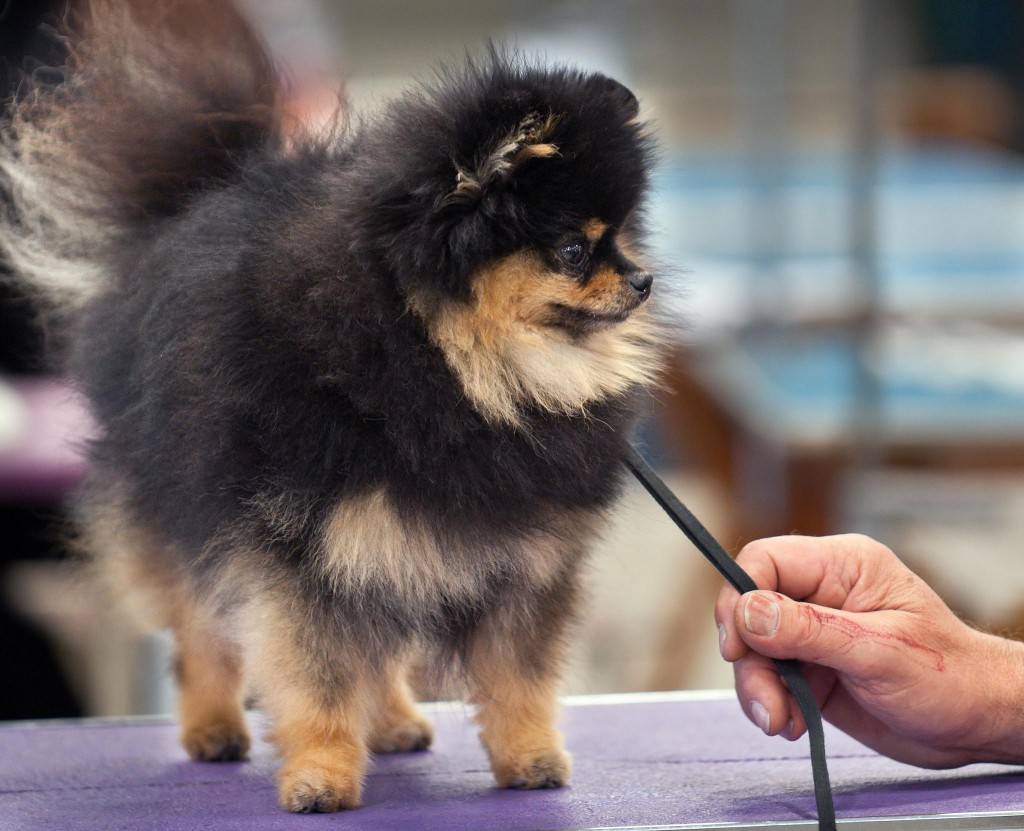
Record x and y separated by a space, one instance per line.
620 95
496 164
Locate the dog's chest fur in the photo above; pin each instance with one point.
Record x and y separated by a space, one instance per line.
371 546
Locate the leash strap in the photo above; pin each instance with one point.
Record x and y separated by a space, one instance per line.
741 581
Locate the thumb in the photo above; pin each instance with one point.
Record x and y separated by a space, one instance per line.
774 625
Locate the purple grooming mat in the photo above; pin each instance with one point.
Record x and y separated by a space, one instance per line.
643 761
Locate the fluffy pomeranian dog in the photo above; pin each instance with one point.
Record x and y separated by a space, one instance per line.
359 397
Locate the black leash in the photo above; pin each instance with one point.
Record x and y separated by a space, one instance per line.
741 581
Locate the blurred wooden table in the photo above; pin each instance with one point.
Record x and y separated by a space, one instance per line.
780 420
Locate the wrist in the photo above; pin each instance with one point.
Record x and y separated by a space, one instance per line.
999 710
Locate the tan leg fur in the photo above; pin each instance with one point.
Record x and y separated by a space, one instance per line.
516 712
398 726
324 753
319 695
210 694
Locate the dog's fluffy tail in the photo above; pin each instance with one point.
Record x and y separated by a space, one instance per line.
160 99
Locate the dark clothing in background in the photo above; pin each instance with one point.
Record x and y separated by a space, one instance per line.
34 685
980 33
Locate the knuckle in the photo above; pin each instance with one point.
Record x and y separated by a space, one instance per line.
757 551
753 549
867 545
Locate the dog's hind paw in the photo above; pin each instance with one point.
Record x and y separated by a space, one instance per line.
416 734
218 742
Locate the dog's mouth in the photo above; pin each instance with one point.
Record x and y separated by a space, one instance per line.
582 321
608 299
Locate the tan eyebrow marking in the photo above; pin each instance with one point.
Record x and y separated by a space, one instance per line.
593 229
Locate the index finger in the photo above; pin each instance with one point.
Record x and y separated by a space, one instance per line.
820 570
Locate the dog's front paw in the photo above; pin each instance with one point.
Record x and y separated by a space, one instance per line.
315 785
415 734
218 742
550 768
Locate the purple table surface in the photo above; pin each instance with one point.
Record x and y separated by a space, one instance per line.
639 761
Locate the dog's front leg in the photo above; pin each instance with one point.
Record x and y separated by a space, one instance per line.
513 668
319 692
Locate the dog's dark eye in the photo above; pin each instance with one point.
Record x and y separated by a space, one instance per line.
573 255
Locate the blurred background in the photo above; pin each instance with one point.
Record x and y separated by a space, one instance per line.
839 220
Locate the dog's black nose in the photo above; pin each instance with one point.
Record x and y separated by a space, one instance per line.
641 281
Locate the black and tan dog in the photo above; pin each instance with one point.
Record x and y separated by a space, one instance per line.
359 396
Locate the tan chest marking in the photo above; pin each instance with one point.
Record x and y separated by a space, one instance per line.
506 357
369 543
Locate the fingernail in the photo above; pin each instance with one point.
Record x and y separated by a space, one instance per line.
761 615
761 717
721 639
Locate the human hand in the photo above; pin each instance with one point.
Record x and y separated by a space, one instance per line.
886 659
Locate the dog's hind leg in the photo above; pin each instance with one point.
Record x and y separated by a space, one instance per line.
397 724
208 669
143 571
